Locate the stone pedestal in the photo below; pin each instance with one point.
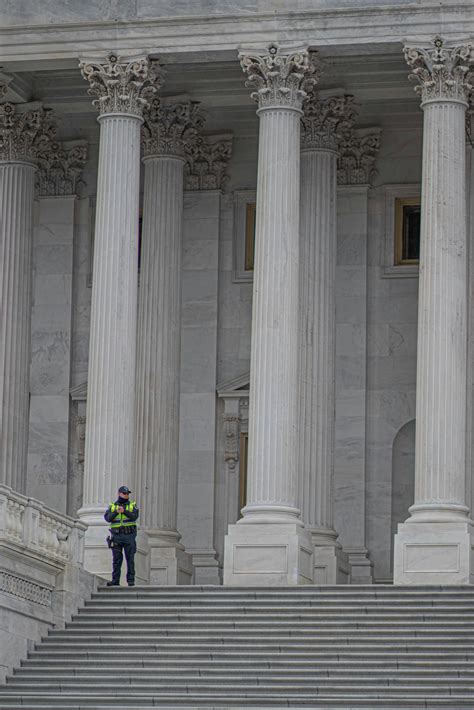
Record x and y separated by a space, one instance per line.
23 130
434 545
109 456
166 129
268 545
322 120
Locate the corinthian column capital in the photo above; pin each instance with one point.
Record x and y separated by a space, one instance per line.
170 126
121 86
60 169
207 160
26 131
358 150
442 73
281 79
325 119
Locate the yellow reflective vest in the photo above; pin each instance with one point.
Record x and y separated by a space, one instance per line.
121 520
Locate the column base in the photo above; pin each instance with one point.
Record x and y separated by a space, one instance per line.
331 565
362 568
434 553
206 567
268 554
169 564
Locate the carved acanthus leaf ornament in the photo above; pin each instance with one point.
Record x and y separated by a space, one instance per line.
25 132
280 79
231 433
325 120
170 127
442 72
121 86
357 155
206 165
60 169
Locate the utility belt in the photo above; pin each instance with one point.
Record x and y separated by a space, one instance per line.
124 530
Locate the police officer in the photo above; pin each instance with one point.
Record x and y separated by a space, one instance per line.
122 516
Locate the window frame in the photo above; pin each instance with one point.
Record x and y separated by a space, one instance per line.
243 235
390 267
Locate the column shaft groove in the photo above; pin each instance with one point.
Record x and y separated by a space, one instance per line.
159 342
16 237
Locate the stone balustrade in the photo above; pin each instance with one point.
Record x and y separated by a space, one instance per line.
27 523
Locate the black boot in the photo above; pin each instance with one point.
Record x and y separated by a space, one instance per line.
113 584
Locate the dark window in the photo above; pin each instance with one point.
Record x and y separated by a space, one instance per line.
407 230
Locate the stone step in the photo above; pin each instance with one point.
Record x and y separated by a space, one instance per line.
309 674
242 625
264 661
217 648
244 641
224 690
236 605
313 613
339 702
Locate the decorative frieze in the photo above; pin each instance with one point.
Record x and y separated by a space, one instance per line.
26 131
207 160
280 79
442 73
325 120
24 589
170 126
60 169
358 151
121 86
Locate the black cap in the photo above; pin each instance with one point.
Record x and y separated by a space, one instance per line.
124 489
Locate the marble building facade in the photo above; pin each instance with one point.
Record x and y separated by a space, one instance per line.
140 345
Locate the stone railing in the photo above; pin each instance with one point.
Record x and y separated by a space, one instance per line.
27 523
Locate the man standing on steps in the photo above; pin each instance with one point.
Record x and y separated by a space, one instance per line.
122 516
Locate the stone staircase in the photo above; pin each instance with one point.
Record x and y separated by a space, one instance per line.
216 647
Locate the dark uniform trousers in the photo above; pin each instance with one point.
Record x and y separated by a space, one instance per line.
124 543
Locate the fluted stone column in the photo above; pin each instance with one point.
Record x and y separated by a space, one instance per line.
25 130
269 545
121 88
166 129
434 545
323 119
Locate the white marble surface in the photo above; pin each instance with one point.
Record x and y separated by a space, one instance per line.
16 239
198 381
110 431
350 489
50 369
